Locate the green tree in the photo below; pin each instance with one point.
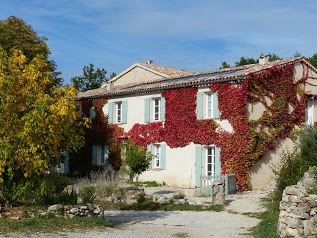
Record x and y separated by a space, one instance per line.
274 57
313 60
92 78
37 118
137 160
224 65
245 60
15 34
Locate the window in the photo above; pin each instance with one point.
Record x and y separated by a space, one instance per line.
207 165
154 109
159 156
118 108
207 105
92 113
310 114
210 162
118 112
100 155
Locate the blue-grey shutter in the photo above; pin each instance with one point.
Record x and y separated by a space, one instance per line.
198 166
110 112
124 112
106 155
200 105
92 113
146 110
217 161
215 106
149 150
162 109
66 161
94 155
163 157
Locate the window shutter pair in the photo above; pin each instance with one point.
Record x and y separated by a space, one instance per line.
111 112
199 164
94 155
147 110
200 105
163 155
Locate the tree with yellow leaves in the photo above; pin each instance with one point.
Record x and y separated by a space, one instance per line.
37 118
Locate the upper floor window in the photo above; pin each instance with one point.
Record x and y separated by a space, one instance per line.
118 108
92 112
117 112
154 109
207 105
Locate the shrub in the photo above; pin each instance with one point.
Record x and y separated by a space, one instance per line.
294 164
105 183
45 189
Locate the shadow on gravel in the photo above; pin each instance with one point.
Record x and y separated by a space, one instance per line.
117 218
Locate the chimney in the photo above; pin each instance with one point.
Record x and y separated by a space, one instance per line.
263 59
149 62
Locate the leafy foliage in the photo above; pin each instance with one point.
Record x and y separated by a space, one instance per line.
313 60
137 159
91 78
37 118
17 35
295 163
44 189
250 139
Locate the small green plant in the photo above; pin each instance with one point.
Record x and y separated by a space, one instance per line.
149 183
87 192
105 183
137 160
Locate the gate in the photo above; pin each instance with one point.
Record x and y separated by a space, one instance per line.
206 184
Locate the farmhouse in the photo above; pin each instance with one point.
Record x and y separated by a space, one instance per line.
201 125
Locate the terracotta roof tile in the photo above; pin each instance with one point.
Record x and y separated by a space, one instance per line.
196 79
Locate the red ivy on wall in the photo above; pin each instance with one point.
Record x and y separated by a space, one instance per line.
250 140
101 132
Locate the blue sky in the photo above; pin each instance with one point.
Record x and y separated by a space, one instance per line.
195 35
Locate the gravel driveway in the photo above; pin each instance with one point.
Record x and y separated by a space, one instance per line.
179 224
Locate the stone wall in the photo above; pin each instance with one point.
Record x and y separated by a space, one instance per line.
298 209
85 210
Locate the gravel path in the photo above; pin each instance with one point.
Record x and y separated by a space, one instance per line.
230 223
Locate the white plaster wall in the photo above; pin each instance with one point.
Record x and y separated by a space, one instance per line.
261 174
135 112
180 162
180 168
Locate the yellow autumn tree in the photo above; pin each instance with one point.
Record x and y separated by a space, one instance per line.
37 119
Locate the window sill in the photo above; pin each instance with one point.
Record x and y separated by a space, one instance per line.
156 169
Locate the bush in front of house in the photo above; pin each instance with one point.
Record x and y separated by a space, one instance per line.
45 189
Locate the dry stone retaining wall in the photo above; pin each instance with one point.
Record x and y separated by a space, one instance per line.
298 209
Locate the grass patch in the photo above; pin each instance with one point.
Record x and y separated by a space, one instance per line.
149 183
269 219
50 223
149 205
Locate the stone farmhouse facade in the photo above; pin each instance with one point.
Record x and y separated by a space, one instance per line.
199 125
